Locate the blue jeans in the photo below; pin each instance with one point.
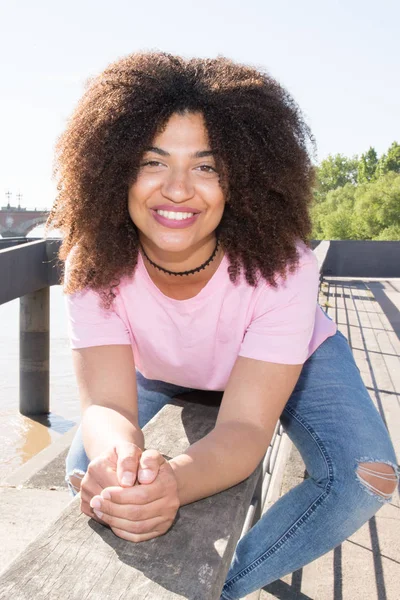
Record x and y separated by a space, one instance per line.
334 424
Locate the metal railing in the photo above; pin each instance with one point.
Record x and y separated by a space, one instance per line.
27 270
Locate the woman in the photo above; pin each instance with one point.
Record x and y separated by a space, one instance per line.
184 194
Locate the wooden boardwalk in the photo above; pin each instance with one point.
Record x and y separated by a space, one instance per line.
367 565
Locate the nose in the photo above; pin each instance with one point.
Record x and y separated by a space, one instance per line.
178 186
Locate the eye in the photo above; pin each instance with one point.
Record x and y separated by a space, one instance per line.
209 168
150 163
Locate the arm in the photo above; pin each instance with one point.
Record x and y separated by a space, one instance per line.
105 372
270 361
107 388
261 382
254 398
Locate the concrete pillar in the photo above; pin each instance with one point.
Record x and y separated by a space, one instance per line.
34 346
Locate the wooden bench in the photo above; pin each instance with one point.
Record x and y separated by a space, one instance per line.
79 557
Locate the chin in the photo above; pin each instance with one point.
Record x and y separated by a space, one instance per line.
171 242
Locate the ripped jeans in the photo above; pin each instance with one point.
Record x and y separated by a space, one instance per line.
334 424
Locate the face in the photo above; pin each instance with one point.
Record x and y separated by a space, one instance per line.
176 201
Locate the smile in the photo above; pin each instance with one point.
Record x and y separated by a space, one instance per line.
175 216
175 219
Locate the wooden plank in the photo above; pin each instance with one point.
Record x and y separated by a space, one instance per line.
78 558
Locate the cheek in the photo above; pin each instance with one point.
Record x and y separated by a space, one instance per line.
132 203
140 191
136 198
213 195
219 206
134 208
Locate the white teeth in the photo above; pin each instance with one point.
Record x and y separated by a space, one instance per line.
176 216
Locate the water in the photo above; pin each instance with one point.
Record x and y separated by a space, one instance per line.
22 437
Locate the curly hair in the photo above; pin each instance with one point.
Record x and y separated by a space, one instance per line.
255 129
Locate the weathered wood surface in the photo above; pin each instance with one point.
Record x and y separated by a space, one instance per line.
77 558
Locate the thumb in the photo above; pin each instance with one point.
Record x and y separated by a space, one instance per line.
128 456
149 466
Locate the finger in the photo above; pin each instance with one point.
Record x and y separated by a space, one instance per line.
102 471
88 491
131 512
90 488
127 462
149 466
88 510
138 494
86 499
99 520
135 527
134 537
85 502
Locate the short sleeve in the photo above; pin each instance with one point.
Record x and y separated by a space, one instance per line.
91 325
283 321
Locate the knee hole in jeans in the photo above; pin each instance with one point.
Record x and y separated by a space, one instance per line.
75 479
380 478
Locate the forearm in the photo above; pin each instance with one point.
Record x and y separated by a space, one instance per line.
102 427
223 458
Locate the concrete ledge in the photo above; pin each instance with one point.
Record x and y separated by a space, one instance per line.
39 463
24 514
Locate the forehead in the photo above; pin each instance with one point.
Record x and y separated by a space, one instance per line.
188 130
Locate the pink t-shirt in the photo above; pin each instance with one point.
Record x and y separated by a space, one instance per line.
194 343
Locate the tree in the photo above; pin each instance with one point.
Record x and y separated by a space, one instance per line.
334 172
332 218
367 166
358 199
370 211
377 207
390 233
390 161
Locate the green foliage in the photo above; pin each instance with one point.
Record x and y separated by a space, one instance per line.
358 198
390 233
363 212
332 218
335 171
377 206
367 166
390 161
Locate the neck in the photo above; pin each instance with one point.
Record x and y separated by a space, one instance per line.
181 269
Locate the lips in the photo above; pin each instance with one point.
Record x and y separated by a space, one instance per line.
174 223
168 207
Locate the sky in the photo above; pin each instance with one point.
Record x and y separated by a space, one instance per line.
340 61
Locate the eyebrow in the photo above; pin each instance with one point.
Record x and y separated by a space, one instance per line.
199 154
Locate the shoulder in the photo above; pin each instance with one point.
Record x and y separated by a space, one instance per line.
307 266
297 286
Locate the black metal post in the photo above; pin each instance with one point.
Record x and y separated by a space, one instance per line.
34 352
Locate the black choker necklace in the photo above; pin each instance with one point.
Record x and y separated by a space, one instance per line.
203 266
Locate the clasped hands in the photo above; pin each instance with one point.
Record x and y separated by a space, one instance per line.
132 491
